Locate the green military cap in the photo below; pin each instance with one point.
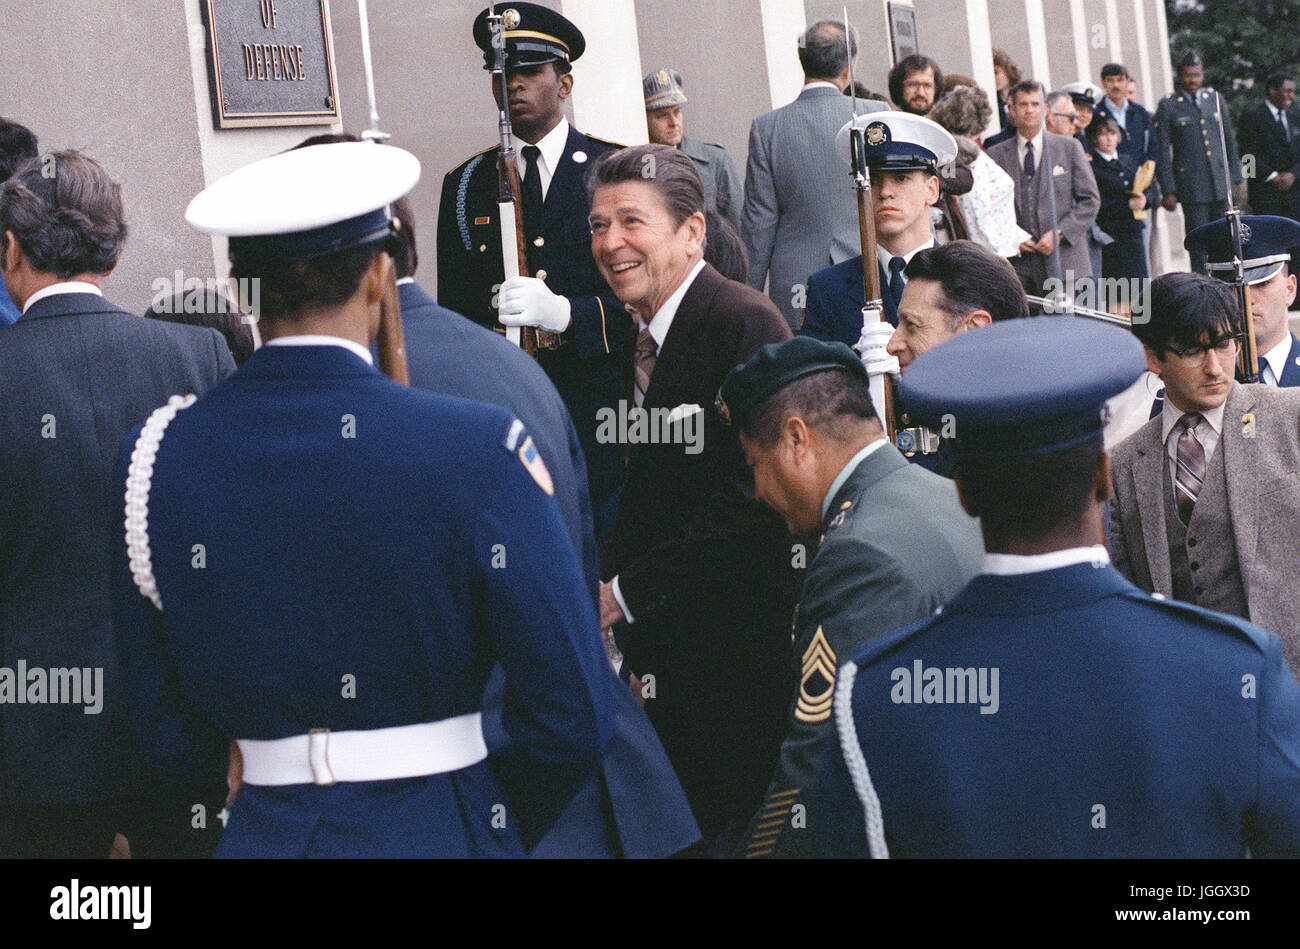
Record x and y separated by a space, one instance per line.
663 89
777 365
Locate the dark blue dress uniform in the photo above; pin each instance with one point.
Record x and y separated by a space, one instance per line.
357 582
836 297
587 364
1053 708
323 566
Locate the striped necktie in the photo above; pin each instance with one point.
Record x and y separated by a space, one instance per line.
1189 466
647 350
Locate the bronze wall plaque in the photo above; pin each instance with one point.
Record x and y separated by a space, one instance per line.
271 63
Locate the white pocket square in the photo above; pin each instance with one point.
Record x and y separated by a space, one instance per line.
1058 170
682 411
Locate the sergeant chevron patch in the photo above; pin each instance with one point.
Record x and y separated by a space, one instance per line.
817 684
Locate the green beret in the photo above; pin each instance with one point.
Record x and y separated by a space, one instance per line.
777 365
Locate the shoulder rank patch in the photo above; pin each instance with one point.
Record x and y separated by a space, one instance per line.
532 460
817 683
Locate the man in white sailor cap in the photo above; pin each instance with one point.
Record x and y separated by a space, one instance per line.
322 565
904 154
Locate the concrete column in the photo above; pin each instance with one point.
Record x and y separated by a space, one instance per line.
783 23
1040 60
1081 34
1114 34
607 96
1142 70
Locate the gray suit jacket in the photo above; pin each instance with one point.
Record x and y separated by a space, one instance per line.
79 374
799 211
722 189
1261 436
896 546
1077 197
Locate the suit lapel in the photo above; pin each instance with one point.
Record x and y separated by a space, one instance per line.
565 183
1148 487
1240 469
1291 370
674 368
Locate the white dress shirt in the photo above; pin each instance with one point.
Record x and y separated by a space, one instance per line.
1276 362
1117 112
1007 565
1207 433
316 339
67 286
659 324
1277 114
663 319
884 257
1021 142
552 150
1280 116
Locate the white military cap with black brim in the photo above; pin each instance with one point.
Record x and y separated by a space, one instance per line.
899 141
1083 93
309 202
1046 398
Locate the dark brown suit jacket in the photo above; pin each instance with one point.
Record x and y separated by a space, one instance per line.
705 569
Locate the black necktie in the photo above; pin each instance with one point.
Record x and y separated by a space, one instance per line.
1281 123
1029 159
896 265
532 190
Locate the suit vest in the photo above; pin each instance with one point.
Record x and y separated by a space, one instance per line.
1203 552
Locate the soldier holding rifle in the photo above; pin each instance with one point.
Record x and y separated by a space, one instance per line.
581 328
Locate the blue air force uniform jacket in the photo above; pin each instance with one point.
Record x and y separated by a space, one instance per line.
1118 725
634 806
333 550
586 368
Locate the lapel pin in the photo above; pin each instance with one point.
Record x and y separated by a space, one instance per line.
579 158
1248 425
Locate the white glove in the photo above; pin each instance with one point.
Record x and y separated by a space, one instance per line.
871 347
527 301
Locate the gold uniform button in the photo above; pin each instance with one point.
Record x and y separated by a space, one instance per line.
539 241
541 275
482 247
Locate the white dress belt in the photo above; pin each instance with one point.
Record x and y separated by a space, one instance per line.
325 757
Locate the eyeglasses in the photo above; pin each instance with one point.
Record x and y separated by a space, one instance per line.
1226 346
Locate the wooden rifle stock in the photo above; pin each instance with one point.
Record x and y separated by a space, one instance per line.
871 266
391 341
